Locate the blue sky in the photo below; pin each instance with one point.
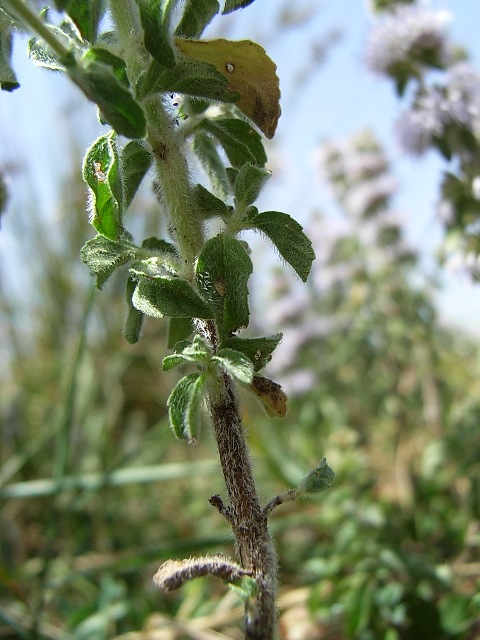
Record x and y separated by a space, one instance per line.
339 97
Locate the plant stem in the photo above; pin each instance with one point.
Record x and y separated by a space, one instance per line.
30 18
249 523
167 145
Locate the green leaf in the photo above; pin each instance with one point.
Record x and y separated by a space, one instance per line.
249 183
136 161
179 329
106 57
196 352
319 479
206 151
222 272
116 104
236 364
8 79
101 171
189 77
86 16
41 54
156 16
288 237
241 143
159 246
184 404
132 329
169 296
103 256
196 16
258 350
208 205
233 5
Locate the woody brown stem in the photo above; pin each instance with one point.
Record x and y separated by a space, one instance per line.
249 523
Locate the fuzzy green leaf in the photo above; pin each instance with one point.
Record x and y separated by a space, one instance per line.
236 364
169 296
116 104
155 16
196 16
184 405
106 57
233 5
240 141
208 205
103 256
136 161
179 329
86 16
189 77
196 351
101 171
288 237
157 245
132 329
222 272
258 350
249 183
319 479
8 79
206 151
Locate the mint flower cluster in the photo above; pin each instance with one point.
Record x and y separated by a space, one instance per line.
410 44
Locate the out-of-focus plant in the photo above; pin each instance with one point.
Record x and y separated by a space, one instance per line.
153 80
410 44
372 372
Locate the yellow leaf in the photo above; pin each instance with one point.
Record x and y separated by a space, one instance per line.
249 71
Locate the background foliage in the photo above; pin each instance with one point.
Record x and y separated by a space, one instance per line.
95 493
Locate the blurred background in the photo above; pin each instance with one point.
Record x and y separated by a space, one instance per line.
380 359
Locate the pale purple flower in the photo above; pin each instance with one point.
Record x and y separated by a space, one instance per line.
417 127
457 103
463 94
404 34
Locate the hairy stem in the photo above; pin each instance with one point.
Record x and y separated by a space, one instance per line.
249 523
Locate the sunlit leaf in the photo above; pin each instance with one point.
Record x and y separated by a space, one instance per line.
249 71
184 404
171 297
288 237
101 171
236 364
222 272
103 256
